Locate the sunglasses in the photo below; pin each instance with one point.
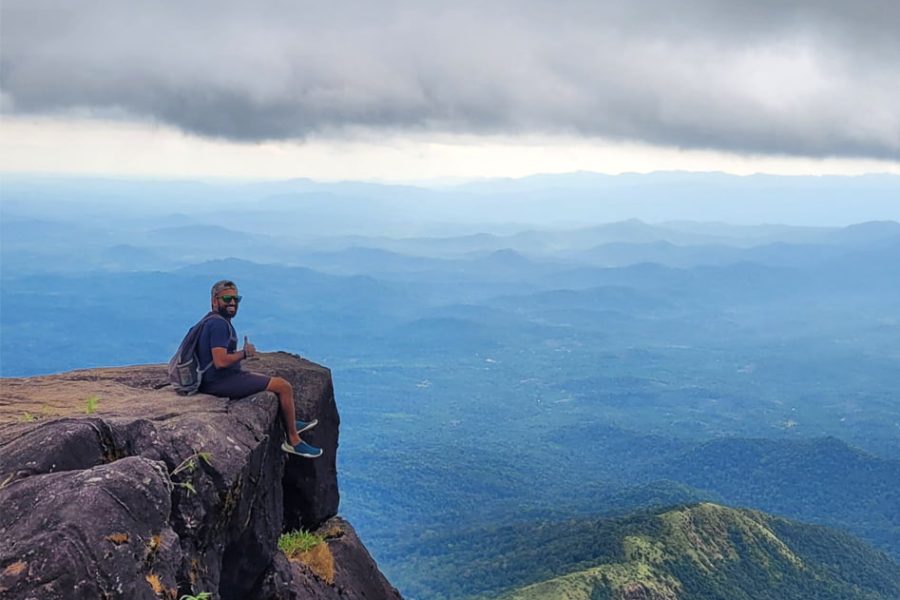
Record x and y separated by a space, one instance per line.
228 299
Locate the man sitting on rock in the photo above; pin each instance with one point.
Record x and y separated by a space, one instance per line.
223 376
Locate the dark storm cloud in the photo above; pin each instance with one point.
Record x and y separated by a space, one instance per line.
810 78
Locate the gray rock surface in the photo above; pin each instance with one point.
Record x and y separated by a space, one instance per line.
154 495
94 533
356 574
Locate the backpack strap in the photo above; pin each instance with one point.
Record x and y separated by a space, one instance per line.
211 315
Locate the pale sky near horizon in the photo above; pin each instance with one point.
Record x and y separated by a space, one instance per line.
411 91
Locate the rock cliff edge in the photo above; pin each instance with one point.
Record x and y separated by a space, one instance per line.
112 486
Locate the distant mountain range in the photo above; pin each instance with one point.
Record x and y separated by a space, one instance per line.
521 360
304 207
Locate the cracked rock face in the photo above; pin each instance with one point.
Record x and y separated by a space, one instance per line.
113 486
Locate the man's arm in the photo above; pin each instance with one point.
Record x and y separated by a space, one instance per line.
222 359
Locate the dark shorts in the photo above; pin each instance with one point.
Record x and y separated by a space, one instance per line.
238 385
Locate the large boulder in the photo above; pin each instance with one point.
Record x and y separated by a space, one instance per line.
113 486
101 532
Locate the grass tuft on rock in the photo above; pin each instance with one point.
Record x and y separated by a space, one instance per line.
295 542
309 549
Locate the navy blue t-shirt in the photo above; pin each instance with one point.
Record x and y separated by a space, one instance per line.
216 333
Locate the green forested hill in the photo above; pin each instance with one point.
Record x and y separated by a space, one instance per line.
710 552
822 481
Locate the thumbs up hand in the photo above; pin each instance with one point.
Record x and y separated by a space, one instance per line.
249 349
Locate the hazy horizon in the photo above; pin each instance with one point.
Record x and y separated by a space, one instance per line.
494 205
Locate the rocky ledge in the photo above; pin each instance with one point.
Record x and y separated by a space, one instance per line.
113 486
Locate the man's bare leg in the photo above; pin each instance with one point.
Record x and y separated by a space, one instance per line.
285 392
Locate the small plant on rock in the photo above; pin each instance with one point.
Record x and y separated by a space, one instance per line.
90 404
189 465
200 596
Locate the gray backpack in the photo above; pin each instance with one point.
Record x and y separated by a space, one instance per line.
185 373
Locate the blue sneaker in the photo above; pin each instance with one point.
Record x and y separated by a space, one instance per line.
305 426
302 449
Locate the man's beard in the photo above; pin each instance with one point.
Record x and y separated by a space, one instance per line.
223 311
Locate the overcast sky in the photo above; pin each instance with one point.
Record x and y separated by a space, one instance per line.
449 89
